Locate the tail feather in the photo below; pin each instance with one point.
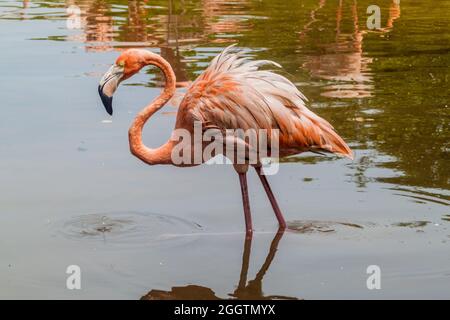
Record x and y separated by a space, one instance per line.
323 135
336 144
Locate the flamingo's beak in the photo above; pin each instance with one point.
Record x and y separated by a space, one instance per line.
108 85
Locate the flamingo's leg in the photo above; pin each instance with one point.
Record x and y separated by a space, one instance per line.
246 202
273 201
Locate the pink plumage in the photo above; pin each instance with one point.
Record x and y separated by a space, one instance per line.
233 93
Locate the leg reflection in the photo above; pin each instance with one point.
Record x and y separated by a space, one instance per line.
253 289
250 290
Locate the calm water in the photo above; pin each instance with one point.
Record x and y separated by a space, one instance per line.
70 192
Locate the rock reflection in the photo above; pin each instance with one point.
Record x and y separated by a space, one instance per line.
245 290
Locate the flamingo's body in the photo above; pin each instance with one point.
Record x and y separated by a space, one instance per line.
230 94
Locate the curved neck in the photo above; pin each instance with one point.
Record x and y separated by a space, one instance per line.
161 155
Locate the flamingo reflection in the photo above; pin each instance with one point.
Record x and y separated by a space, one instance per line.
344 59
245 290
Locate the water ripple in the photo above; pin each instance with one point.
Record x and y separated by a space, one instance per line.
130 229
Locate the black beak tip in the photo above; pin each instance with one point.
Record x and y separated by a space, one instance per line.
107 101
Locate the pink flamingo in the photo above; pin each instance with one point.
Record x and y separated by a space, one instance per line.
232 93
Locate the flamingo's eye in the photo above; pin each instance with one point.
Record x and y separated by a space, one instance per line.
121 63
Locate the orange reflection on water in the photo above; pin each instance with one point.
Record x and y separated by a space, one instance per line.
146 27
340 60
97 26
223 16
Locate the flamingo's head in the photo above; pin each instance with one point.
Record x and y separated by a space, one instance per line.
126 65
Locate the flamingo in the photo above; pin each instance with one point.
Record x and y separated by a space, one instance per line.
232 93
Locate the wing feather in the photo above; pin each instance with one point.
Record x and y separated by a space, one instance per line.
232 93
